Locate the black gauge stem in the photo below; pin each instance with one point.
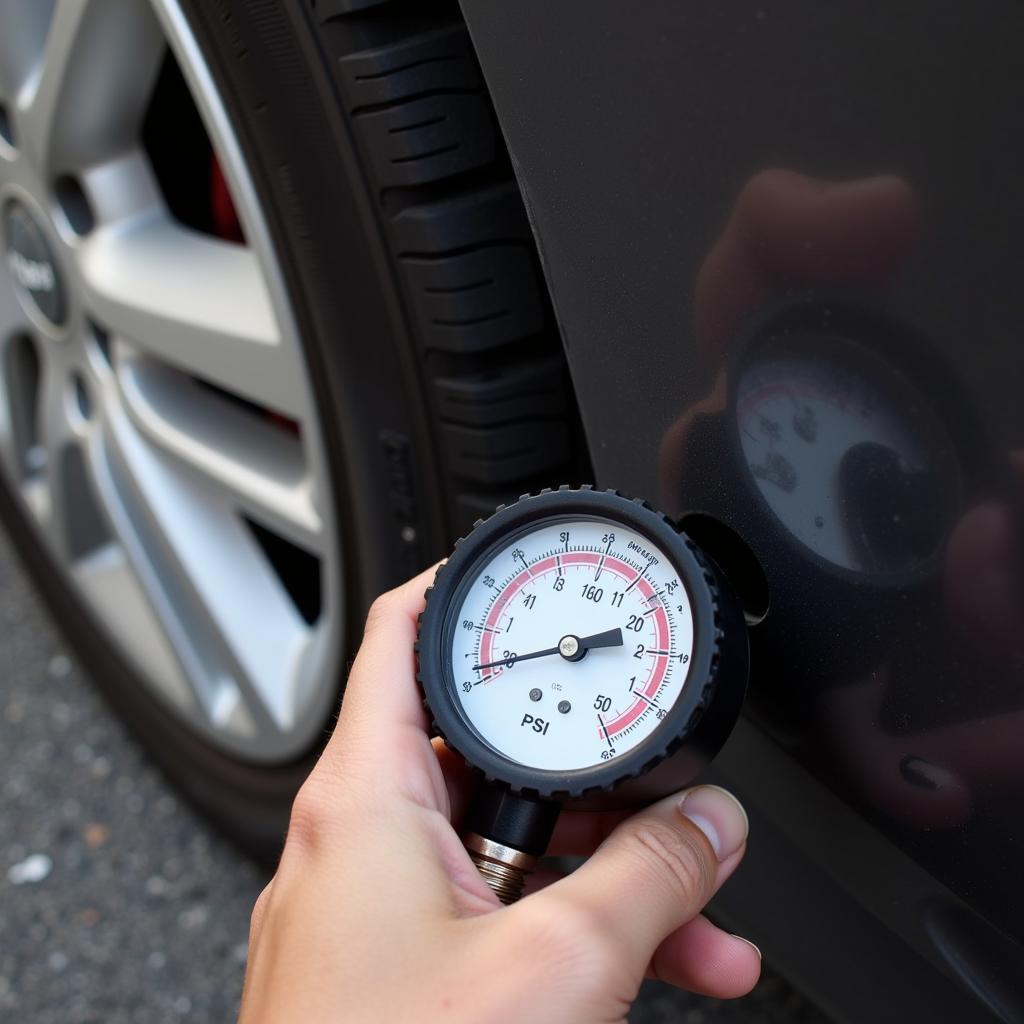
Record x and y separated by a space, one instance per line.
505 834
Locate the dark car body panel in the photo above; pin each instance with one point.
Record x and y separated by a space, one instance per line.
678 162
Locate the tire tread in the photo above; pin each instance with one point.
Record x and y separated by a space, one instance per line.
462 249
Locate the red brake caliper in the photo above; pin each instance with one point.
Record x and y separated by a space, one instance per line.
222 206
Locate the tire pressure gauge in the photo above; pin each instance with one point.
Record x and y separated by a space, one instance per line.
576 647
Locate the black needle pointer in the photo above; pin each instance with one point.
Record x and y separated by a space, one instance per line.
570 647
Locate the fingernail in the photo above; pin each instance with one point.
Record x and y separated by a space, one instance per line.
719 815
756 949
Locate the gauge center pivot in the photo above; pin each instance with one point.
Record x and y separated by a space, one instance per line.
569 648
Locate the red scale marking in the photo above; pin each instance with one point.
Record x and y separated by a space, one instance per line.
625 572
524 577
546 566
658 668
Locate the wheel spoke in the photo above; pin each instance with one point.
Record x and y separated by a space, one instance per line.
122 187
195 302
21 42
86 100
12 391
259 465
110 584
169 608
9 446
207 581
48 493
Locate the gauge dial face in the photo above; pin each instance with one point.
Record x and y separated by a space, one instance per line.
570 643
846 454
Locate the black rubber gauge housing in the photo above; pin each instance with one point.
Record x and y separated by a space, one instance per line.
688 733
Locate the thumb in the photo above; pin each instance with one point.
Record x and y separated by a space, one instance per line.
657 870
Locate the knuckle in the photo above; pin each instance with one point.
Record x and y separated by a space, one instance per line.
258 911
380 611
762 187
331 806
675 858
312 811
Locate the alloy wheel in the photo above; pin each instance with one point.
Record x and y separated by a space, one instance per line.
157 421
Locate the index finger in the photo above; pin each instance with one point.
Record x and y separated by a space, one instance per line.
381 696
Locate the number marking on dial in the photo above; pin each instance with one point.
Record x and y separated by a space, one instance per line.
543 588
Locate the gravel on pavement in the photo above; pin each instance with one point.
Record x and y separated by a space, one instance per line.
117 903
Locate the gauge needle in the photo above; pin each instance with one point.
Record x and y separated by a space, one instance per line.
609 638
572 648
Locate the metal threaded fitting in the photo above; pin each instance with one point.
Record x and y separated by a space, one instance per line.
503 868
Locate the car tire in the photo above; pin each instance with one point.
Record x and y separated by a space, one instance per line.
436 365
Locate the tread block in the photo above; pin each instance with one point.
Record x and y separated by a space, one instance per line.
475 301
459 222
327 9
499 455
500 395
442 61
425 140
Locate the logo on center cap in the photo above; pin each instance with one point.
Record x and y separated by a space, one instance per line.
31 263
32 275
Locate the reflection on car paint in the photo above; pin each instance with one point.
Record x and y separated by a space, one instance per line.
848 454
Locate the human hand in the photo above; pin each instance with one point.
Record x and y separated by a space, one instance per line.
376 912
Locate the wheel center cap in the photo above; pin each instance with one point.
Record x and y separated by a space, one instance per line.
32 265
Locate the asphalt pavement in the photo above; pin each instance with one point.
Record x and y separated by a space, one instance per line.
117 903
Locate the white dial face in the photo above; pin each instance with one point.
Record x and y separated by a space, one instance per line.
846 455
609 622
